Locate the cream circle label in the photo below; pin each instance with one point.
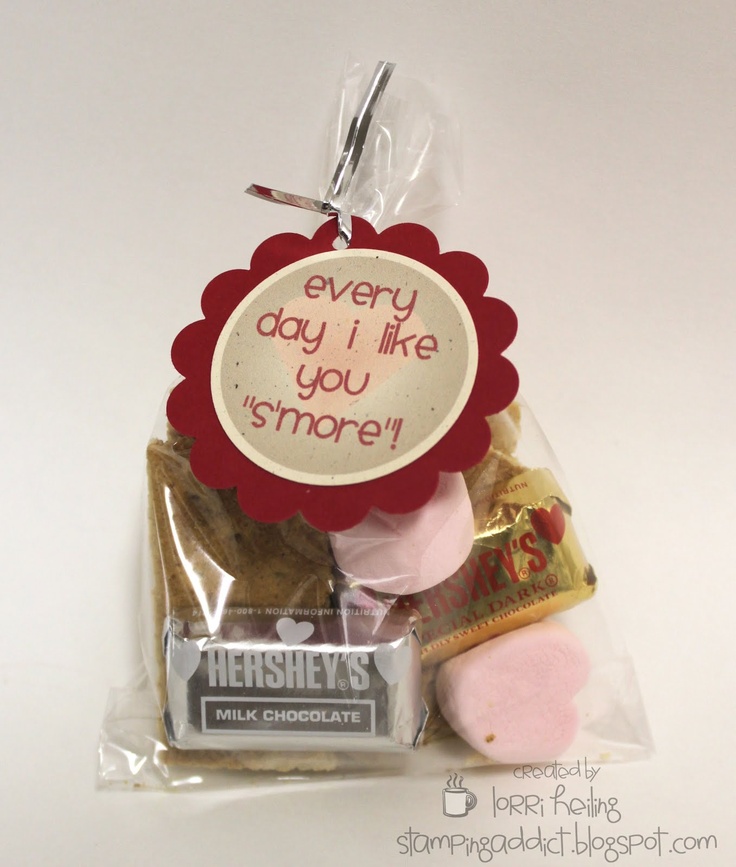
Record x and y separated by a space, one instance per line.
344 367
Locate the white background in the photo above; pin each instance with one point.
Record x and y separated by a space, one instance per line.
600 188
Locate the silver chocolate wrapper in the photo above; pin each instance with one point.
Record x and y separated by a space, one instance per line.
286 679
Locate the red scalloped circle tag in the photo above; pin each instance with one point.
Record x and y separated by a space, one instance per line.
330 382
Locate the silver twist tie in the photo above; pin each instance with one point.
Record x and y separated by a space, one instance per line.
351 153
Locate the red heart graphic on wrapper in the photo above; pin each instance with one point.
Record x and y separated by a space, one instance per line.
549 524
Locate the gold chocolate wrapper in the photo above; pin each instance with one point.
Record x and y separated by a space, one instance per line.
526 564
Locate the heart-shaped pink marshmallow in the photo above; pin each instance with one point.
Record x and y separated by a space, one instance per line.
511 698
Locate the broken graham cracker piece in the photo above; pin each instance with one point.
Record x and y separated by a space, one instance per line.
212 555
436 727
484 479
506 429
208 555
273 762
499 464
196 545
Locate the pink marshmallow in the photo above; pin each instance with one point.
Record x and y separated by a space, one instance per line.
511 697
409 553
